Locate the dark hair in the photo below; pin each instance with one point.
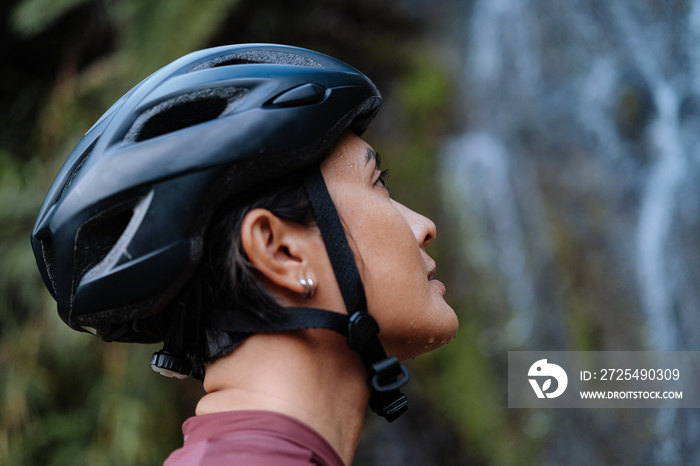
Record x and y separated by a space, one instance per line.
226 280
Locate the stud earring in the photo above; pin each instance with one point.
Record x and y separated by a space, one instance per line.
309 287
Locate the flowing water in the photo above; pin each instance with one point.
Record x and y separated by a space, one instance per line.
576 187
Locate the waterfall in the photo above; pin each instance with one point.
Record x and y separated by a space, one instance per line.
575 189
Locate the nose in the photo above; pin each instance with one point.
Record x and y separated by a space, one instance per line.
423 228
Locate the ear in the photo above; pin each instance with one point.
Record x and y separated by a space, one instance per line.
279 249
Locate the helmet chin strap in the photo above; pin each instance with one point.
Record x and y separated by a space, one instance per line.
384 374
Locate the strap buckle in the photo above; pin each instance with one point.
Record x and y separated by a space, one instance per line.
361 328
388 374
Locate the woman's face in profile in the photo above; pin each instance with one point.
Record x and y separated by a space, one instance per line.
389 241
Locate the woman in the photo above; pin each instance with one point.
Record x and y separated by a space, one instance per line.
228 207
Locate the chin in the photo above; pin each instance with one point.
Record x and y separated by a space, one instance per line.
431 338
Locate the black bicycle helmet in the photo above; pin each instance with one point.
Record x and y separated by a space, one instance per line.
121 229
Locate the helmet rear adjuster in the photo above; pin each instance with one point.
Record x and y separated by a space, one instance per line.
170 365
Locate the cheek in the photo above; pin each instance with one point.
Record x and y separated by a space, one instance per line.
411 312
389 252
388 256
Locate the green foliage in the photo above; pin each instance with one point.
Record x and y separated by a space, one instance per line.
420 112
31 17
187 25
68 398
464 381
83 403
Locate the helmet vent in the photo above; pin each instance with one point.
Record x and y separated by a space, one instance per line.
184 111
270 57
97 236
47 254
78 167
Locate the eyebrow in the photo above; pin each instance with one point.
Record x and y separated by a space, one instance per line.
373 155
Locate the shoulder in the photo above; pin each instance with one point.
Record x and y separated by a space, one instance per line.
255 438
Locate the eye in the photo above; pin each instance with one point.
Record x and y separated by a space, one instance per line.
381 179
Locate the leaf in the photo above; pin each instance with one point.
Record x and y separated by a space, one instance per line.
187 25
31 17
546 385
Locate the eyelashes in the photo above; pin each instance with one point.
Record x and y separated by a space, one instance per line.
382 179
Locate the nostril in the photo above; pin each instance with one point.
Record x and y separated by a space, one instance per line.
429 238
425 231
422 227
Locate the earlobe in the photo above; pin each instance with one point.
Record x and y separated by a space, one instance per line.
309 287
275 247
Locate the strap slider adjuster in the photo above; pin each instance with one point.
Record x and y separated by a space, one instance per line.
361 328
389 374
393 409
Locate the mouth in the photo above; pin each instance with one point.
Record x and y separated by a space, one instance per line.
432 269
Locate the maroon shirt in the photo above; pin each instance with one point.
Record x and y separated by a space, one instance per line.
251 438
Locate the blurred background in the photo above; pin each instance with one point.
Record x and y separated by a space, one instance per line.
554 142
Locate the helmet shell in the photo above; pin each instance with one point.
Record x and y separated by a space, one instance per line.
121 228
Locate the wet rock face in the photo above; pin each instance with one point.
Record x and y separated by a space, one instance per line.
584 115
575 185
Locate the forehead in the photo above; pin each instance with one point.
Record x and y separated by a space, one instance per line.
351 149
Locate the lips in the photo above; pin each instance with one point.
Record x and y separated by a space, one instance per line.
432 269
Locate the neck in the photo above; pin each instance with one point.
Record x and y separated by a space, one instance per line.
310 375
